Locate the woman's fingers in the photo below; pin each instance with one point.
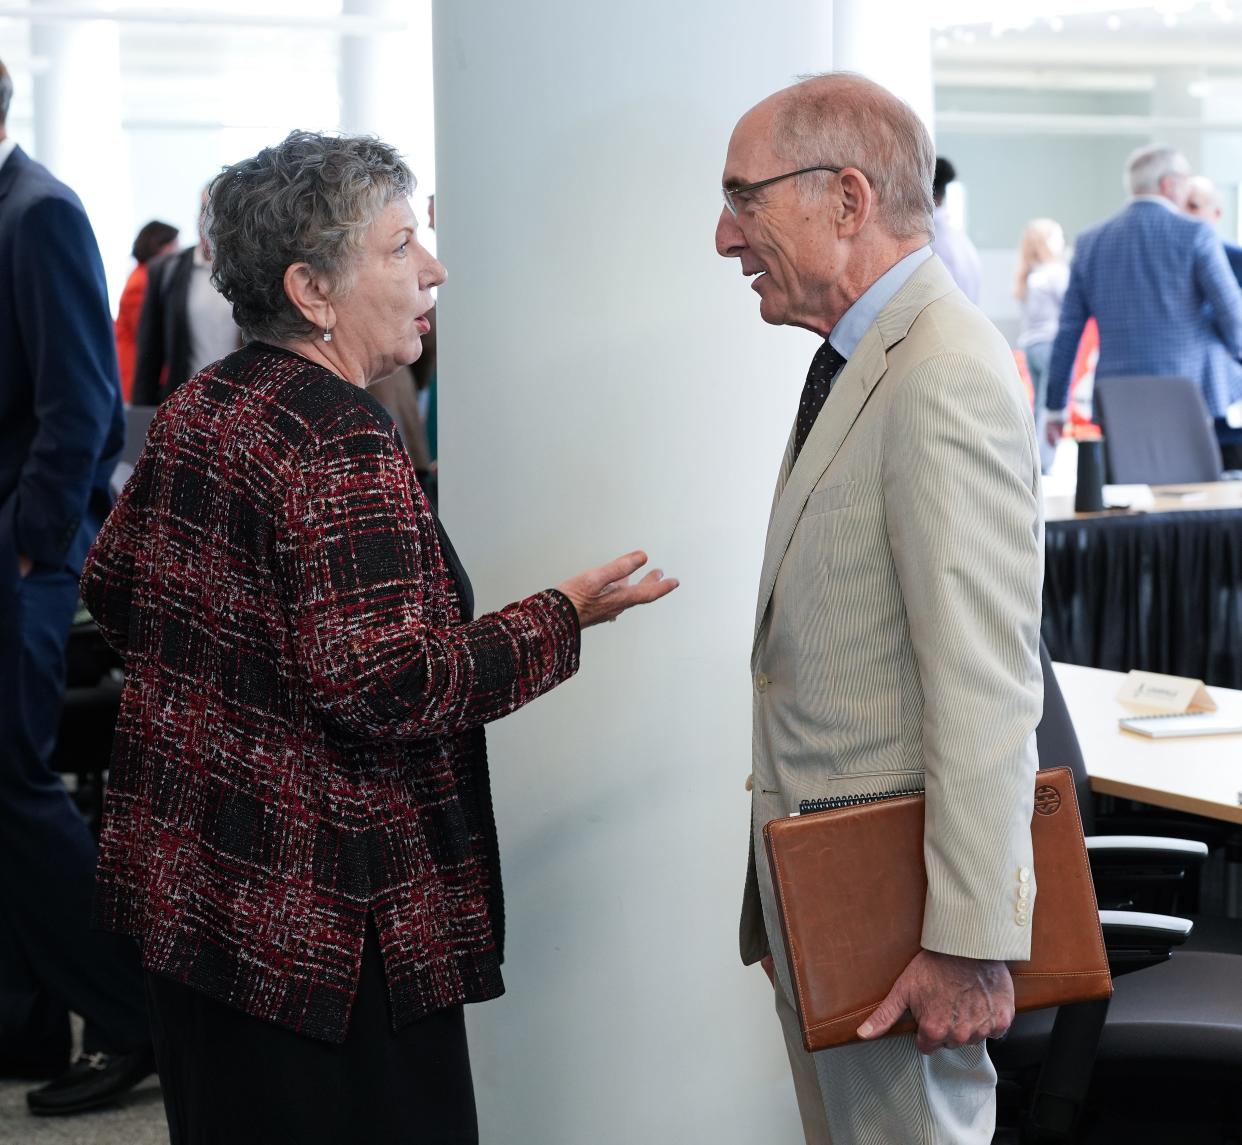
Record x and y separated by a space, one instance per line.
653 586
621 569
604 593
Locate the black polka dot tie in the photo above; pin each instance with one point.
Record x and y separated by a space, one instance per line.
819 378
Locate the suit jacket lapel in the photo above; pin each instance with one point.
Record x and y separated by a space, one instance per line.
849 394
841 410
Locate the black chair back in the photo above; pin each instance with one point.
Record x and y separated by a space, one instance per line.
1157 431
137 419
1058 743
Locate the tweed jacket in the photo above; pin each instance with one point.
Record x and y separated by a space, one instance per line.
1160 288
300 740
897 627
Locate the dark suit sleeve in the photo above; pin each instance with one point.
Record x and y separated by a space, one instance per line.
149 359
1074 315
67 331
1220 288
1234 255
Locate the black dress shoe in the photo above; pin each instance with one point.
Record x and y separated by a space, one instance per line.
93 1080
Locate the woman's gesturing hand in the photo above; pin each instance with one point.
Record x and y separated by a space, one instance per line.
604 593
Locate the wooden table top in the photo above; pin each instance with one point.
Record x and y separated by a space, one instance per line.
1198 774
1168 499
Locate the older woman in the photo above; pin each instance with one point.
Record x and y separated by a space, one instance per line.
299 827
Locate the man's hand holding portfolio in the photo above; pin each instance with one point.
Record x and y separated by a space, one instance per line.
956 1001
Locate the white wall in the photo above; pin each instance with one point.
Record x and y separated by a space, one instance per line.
889 43
606 383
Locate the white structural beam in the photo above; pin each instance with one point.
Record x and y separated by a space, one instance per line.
1024 123
605 383
345 24
77 125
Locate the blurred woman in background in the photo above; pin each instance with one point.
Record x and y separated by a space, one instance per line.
1039 287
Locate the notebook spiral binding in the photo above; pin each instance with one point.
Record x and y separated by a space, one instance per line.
835 802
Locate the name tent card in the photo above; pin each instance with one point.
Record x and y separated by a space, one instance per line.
1153 694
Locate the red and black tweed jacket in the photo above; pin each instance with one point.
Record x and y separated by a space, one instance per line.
301 733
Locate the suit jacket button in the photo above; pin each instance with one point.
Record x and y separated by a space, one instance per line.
750 783
761 682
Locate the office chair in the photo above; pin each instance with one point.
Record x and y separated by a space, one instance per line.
1157 431
1178 1016
88 715
137 421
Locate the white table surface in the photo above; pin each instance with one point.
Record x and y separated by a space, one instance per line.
1198 774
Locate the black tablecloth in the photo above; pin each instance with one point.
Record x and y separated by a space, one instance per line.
1159 591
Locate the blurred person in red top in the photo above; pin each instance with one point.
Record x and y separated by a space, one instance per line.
153 240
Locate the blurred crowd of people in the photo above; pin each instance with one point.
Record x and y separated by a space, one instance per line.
1152 291
172 321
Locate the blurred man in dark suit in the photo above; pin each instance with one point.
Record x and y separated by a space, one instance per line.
1203 202
186 323
61 431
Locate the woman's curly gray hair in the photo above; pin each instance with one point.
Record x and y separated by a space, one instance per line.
310 199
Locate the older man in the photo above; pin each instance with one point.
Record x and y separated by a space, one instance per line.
1159 286
896 636
1203 202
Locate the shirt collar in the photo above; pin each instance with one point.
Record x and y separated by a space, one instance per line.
7 147
1165 203
860 317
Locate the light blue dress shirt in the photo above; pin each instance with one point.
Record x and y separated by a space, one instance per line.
860 317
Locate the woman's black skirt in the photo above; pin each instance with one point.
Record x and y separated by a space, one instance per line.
230 1079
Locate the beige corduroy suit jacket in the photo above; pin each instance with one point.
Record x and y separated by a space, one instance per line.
897 629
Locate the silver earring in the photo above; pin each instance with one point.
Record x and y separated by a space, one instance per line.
327 334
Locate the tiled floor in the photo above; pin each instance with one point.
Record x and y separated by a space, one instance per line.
140 1121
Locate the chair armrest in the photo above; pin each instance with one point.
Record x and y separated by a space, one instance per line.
1136 939
1145 872
1144 850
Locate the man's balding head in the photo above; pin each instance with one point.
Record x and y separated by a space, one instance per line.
845 120
1202 200
827 185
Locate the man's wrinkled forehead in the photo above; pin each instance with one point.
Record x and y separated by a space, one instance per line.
750 146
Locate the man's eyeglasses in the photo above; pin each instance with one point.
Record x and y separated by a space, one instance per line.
730 192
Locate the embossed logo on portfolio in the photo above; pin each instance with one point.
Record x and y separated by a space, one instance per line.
1047 799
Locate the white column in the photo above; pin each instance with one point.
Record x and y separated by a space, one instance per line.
359 76
386 85
889 43
77 120
606 383
1173 96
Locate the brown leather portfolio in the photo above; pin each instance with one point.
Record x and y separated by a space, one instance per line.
850 885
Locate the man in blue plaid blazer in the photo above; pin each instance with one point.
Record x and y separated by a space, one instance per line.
1158 284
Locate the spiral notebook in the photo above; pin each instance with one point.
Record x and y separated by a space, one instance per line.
1186 724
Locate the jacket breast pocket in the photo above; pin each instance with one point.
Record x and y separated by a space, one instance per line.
830 498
